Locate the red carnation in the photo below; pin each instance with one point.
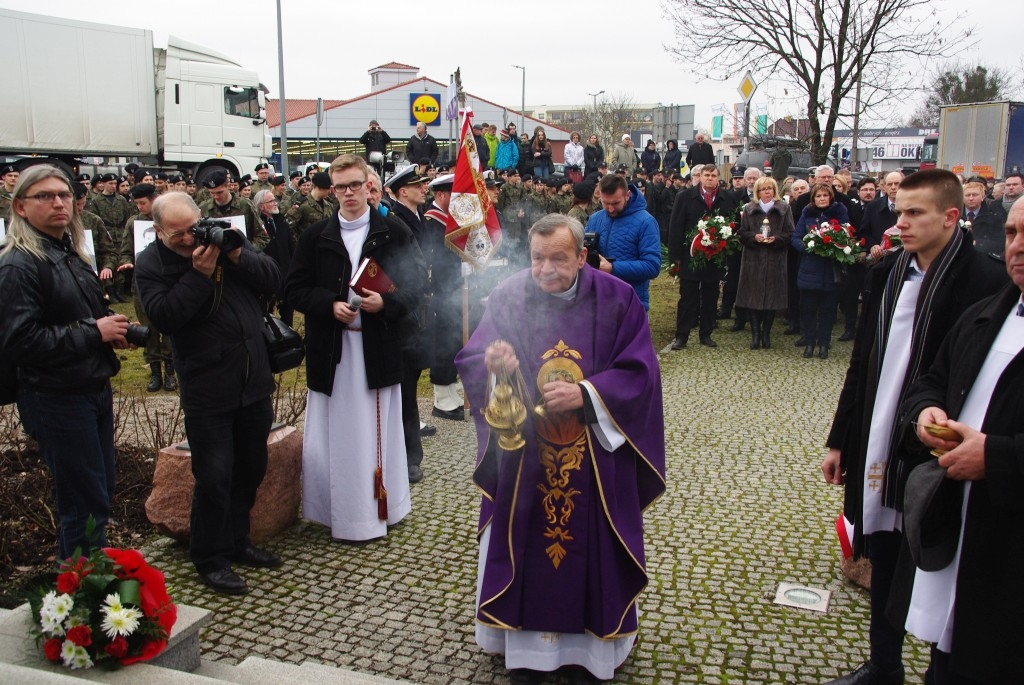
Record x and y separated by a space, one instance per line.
732 224
721 244
51 648
80 635
67 583
826 239
863 242
117 648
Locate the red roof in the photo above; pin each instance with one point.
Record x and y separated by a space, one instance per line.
295 109
394 65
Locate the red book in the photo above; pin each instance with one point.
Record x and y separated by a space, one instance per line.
370 276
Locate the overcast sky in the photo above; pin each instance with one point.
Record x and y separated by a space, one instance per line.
569 49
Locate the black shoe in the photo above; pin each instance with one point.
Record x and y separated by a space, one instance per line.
870 674
678 344
457 414
415 474
155 380
524 676
577 675
738 326
255 557
823 352
766 339
706 341
170 384
723 314
801 341
428 430
225 581
808 351
791 330
847 336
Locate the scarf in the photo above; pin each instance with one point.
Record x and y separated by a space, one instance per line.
896 469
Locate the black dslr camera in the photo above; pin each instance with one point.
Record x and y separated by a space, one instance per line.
591 241
137 334
218 232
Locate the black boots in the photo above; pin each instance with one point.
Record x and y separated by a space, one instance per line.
808 351
155 380
755 328
170 383
767 321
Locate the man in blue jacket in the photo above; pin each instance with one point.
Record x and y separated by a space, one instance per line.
627 236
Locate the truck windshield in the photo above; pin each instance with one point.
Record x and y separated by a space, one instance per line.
241 102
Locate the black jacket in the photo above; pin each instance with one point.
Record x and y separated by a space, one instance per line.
877 220
987 625
319 277
281 245
987 228
592 156
688 209
417 149
700 153
215 324
375 141
54 339
972 277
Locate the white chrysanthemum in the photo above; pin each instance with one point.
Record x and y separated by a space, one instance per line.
726 232
67 652
705 241
847 250
123 622
702 225
52 626
62 606
81 659
810 244
114 602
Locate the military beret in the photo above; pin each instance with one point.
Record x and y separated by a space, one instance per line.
261 167
82 177
527 177
512 172
80 190
96 180
245 183
322 180
621 169
216 179
131 168
177 178
295 174
278 180
584 190
247 177
7 169
142 190
602 165
122 179
312 167
189 181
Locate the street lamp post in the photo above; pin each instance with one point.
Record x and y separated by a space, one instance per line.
522 109
593 127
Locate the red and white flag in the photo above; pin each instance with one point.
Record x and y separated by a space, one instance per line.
472 229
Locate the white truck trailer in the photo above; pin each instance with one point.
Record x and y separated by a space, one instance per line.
74 90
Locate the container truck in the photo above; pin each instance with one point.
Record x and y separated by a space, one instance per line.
75 90
982 139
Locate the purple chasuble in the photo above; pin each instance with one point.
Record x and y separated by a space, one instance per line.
566 543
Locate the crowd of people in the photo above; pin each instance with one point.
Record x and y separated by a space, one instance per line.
365 262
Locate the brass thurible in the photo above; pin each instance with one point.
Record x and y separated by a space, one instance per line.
506 412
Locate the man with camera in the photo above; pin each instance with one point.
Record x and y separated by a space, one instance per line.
58 338
203 285
627 239
375 139
222 203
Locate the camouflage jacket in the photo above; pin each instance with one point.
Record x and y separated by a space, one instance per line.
114 210
103 240
308 213
126 249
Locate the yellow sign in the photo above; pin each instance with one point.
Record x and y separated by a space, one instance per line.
747 87
425 108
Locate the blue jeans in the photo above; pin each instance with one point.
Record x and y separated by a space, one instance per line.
541 171
229 460
76 437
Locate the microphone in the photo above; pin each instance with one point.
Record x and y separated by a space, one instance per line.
355 303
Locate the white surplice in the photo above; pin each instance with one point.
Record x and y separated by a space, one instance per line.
339 449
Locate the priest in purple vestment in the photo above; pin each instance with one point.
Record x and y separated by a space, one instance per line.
561 519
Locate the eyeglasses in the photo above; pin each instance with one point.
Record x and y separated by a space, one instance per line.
270 201
353 186
46 196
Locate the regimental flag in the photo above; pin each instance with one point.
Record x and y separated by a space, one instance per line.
472 230
451 101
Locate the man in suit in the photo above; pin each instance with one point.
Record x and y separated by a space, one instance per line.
986 219
698 288
880 215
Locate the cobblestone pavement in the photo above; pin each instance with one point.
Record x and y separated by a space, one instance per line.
746 508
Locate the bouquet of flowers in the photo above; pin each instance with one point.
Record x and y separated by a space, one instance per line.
109 608
712 241
891 239
834 241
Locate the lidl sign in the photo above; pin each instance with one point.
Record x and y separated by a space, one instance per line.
424 108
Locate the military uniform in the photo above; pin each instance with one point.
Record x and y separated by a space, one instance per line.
106 249
114 210
239 206
257 186
308 213
158 348
5 205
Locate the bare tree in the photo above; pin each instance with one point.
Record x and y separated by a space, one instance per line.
826 46
615 114
959 84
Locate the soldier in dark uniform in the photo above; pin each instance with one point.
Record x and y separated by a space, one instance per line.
317 208
222 203
9 175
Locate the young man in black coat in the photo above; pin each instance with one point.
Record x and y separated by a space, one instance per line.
698 288
911 300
